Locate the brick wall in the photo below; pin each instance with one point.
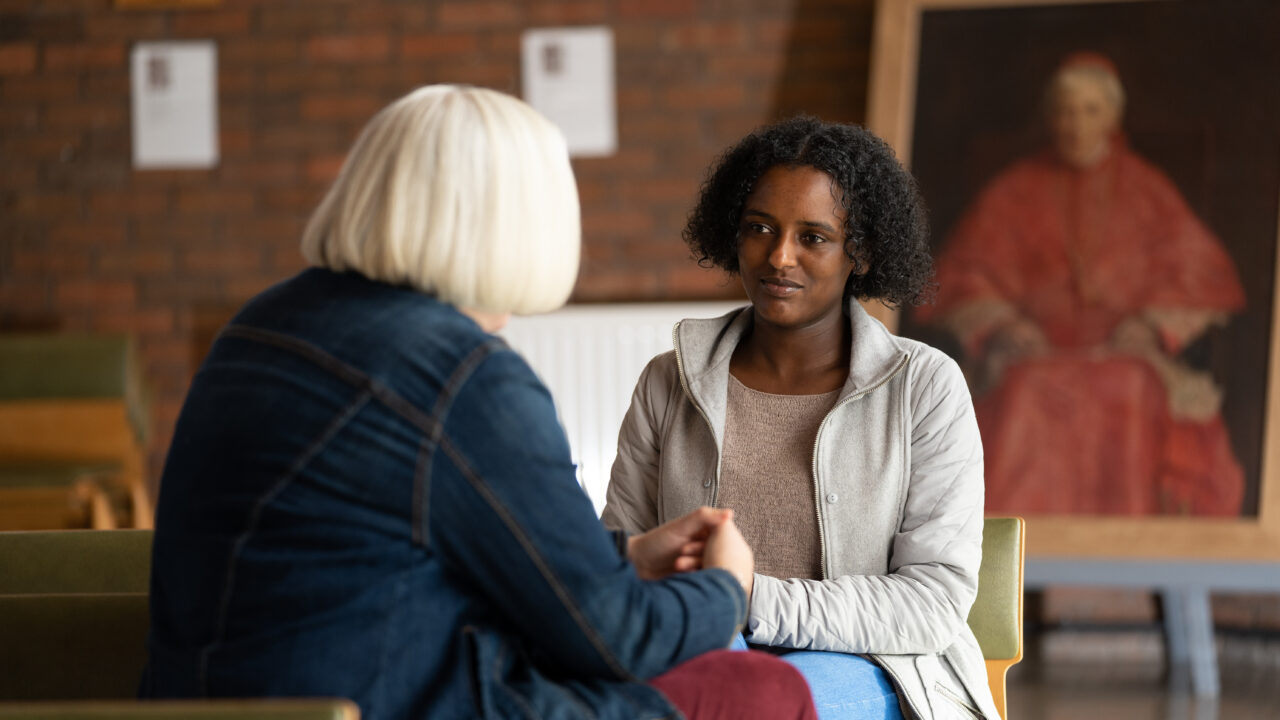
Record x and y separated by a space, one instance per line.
88 243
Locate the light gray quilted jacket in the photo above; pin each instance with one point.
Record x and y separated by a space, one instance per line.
898 490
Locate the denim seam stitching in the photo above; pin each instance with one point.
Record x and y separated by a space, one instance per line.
444 402
224 603
393 400
561 592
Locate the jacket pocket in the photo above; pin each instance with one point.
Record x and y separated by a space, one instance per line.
947 696
953 700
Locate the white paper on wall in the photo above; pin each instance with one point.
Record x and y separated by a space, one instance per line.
567 75
175 106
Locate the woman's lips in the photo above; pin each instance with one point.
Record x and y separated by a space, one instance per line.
779 287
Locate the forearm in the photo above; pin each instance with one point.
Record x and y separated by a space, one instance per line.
890 614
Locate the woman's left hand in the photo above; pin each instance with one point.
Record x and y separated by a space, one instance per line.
675 546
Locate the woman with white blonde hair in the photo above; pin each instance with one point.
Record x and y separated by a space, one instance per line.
368 494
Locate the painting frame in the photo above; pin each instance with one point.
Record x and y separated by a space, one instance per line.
891 114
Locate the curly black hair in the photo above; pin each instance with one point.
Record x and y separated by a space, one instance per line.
886 227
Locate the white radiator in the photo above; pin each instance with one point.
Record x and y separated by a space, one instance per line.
590 357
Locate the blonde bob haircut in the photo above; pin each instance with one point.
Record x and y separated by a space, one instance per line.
463 193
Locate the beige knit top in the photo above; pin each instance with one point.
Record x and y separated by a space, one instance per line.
766 476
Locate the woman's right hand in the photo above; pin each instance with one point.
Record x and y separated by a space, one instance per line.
727 549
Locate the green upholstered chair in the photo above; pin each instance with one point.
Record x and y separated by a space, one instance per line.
273 709
75 561
76 399
71 647
996 616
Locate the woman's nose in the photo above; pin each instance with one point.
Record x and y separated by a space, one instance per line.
783 254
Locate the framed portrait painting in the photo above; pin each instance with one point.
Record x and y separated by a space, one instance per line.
1104 187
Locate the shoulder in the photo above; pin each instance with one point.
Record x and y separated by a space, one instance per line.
398 337
661 375
933 378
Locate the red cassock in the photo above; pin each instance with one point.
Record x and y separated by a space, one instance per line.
1083 427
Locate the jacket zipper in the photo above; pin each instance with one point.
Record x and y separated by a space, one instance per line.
684 385
817 491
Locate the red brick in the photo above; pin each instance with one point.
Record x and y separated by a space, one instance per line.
430 45
705 36
628 162
234 144
765 66
634 283
663 190
348 106
373 47
18 177
201 201
595 194
772 33
315 138
695 97
241 288
262 231
568 13
136 263
371 15
88 115
35 203
277 18
87 234
19 118
260 52
298 200
640 39
96 294
129 202
498 76
298 78
236 83
127 26
504 43
17 58
27 89
28 262
666 9
259 171
657 128
229 260
617 222
287 260
104 84
324 169
478 13
24 296
152 321
48 144
689 281
65 56
168 234
211 24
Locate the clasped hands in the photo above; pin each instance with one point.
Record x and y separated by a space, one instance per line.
705 538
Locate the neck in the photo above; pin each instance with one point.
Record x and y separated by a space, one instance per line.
804 360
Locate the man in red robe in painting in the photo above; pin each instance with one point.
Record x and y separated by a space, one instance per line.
1074 281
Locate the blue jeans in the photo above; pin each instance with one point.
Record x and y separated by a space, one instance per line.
844 687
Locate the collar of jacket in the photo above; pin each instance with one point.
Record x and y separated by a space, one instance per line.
704 347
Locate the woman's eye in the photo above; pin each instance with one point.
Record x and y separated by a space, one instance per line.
815 239
757 228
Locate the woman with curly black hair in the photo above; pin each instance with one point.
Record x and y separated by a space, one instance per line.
850 456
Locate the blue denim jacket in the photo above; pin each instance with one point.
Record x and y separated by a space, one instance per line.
368 496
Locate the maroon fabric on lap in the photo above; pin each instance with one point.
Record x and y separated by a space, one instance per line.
736 685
